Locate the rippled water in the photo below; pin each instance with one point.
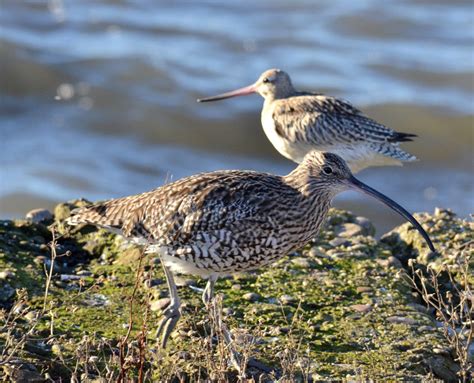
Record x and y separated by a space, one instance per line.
98 97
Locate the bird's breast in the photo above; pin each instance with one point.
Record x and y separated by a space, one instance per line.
281 138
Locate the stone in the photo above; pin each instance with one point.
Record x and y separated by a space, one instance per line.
361 308
400 319
6 292
39 215
339 241
349 230
287 299
6 274
160 304
367 226
20 371
251 297
364 289
301 262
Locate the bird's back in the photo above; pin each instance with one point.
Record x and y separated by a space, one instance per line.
310 121
221 221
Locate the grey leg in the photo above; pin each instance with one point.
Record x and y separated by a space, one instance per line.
171 313
208 292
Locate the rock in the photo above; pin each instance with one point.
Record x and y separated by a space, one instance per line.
368 227
301 262
251 297
39 215
394 262
349 230
97 300
339 241
20 371
149 283
30 316
364 289
236 287
160 304
69 277
318 252
361 308
6 274
6 293
400 319
287 299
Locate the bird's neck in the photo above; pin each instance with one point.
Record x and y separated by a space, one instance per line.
309 187
280 94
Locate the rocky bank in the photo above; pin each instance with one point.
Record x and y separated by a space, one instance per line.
341 308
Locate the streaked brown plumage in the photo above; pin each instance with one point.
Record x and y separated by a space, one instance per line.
227 221
298 122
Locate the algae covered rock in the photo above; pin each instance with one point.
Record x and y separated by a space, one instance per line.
337 309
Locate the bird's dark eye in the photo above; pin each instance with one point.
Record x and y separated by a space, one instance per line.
327 170
266 80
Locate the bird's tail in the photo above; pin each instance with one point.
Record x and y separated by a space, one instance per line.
401 137
394 151
104 214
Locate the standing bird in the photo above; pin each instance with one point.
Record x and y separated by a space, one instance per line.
297 122
224 222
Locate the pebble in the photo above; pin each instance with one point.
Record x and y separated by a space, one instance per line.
364 289
39 215
85 273
149 283
6 274
180 282
97 300
400 319
287 299
159 304
361 308
441 350
339 242
368 227
251 297
70 277
317 252
349 230
236 287
302 262
31 315
394 262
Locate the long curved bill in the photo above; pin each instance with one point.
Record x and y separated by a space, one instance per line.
235 93
358 185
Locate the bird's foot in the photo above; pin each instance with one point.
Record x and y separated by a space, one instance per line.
171 316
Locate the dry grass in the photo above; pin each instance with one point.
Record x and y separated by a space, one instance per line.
454 306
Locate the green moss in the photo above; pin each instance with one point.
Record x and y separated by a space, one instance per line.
309 311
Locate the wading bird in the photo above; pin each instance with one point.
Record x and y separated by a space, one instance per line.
219 223
298 122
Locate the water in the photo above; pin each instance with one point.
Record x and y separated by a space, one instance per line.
98 98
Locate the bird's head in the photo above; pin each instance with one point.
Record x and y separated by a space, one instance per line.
272 84
329 173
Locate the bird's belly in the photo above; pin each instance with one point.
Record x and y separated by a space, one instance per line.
196 259
294 150
359 157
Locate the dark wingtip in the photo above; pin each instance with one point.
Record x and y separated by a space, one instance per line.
402 137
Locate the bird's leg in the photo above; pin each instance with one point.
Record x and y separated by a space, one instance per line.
208 292
171 313
207 297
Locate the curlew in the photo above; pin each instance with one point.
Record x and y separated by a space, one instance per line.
219 223
298 122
